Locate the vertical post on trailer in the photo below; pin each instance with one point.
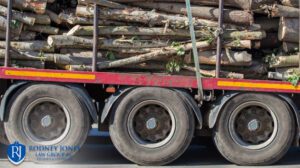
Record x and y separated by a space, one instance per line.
195 50
95 38
8 29
219 41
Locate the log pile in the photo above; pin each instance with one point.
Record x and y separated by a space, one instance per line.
286 63
153 36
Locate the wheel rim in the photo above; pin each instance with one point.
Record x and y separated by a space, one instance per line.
253 125
151 124
46 121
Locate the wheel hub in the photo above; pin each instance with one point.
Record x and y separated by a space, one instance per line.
253 125
46 121
151 124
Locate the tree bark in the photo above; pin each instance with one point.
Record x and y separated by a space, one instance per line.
229 58
203 12
289 30
39 19
54 17
212 73
164 52
292 3
16 26
72 19
27 64
81 52
146 31
150 18
43 29
257 70
290 47
29 46
284 61
32 5
243 4
60 41
104 3
24 36
22 17
61 59
282 11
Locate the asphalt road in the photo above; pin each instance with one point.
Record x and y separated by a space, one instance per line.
94 154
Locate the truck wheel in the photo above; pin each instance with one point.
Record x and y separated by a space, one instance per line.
151 126
3 138
254 129
46 115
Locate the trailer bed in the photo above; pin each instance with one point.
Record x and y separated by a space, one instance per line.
140 79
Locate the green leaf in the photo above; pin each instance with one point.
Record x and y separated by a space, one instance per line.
294 79
110 55
174 66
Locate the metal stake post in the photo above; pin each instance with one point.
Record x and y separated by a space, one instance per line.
95 39
8 21
219 41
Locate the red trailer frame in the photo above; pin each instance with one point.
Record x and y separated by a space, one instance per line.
143 79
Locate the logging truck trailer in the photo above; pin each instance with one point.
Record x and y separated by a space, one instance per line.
151 118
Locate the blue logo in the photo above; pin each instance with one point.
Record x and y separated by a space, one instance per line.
16 153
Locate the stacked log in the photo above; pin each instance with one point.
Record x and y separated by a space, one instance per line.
149 36
286 61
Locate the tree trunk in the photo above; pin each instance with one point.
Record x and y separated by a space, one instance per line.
54 17
164 52
257 70
243 4
289 30
43 29
104 3
22 17
60 41
212 73
282 11
41 46
150 18
16 26
292 3
278 76
290 47
63 59
32 5
145 31
81 52
24 36
229 58
129 30
70 18
285 61
203 12
25 64
39 19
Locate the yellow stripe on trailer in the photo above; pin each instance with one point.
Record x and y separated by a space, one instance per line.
58 75
257 85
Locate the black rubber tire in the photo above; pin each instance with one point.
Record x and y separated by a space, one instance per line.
79 118
250 157
3 138
184 121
